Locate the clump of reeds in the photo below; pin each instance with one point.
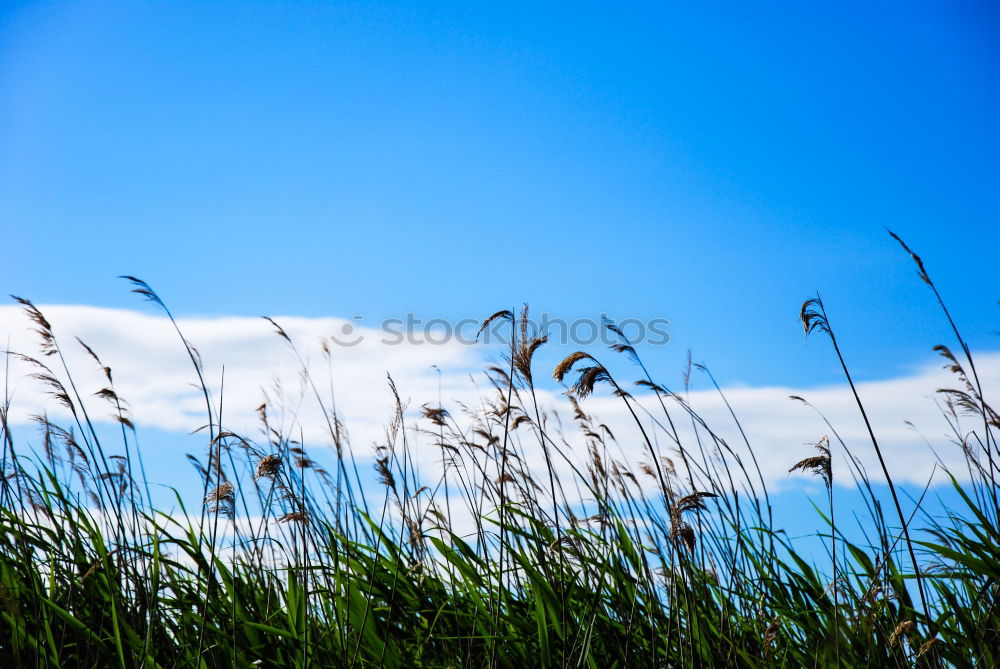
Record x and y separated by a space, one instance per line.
481 562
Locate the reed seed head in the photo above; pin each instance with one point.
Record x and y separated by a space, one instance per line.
902 630
268 467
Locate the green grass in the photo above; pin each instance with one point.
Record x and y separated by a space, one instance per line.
286 564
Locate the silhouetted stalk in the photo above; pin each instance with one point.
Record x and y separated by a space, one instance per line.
987 432
503 490
814 317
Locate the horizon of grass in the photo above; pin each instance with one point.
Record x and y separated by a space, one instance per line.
676 561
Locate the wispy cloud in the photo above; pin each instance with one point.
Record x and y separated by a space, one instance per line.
245 361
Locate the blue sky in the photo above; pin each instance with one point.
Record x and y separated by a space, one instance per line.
712 166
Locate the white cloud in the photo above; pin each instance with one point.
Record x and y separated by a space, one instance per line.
904 411
152 373
243 358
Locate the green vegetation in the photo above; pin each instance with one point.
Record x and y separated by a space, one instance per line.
286 564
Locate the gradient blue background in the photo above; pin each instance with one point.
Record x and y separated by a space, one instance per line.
713 166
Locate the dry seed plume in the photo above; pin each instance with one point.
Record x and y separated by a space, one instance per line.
385 476
42 326
268 467
221 500
140 287
818 465
901 632
680 531
567 363
505 314
921 272
770 635
926 646
813 316
693 502
589 376
47 377
280 330
623 345
436 415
